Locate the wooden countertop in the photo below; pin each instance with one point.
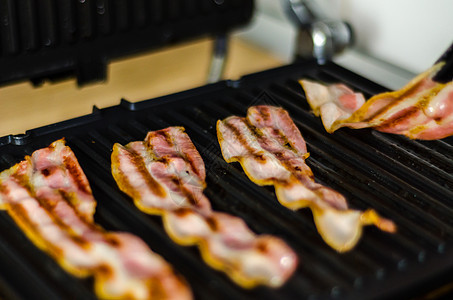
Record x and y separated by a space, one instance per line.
158 73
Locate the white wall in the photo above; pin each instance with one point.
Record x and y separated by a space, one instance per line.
410 34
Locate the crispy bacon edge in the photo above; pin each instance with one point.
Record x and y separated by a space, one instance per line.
327 215
215 224
19 183
412 111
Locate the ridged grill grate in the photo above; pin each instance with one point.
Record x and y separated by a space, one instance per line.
409 182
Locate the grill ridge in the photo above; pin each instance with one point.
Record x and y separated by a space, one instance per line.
373 170
377 184
245 183
124 209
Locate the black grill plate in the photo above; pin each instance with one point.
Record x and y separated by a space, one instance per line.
408 181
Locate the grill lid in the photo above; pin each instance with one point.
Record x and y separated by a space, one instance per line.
409 182
59 39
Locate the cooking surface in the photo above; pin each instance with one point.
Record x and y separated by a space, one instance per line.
409 182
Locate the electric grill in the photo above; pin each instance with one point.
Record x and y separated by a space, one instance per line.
407 181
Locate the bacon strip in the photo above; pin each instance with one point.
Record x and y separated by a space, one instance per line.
49 198
423 109
165 175
272 151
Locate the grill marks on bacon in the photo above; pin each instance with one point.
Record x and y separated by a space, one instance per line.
50 199
60 169
271 150
423 109
225 241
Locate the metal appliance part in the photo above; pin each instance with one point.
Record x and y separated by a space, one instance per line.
218 59
318 36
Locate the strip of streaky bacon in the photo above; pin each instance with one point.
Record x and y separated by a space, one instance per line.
423 109
271 150
49 198
165 175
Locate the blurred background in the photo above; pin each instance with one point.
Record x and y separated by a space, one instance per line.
393 41
404 37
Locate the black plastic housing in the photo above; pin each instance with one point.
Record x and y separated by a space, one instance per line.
53 39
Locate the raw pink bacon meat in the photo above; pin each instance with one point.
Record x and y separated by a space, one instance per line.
423 109
165 175
49 197
272 151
